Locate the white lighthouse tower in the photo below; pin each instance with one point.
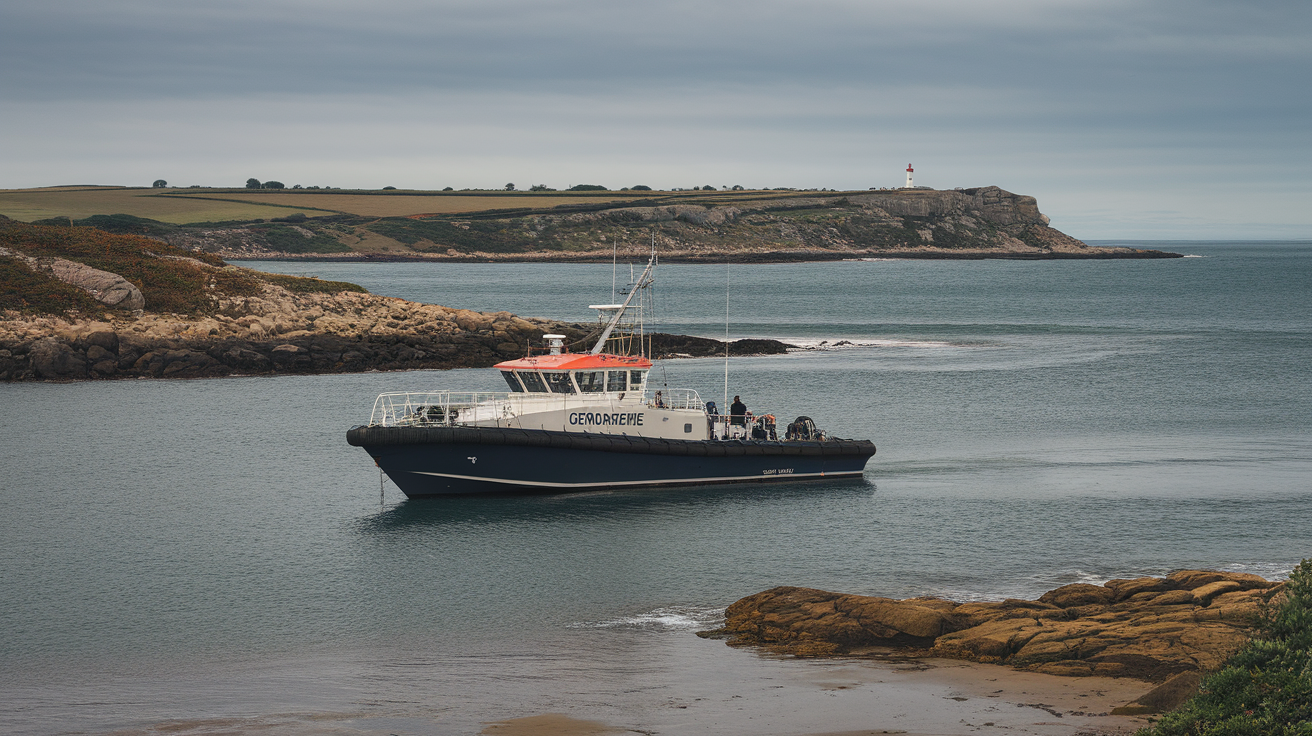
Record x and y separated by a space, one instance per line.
909 183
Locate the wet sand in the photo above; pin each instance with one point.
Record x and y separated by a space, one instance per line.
696 687
851 697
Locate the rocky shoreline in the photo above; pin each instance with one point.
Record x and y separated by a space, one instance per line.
1169 630
283 333
80 303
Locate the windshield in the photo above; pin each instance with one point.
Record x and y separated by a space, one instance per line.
559 382
512 381
533 382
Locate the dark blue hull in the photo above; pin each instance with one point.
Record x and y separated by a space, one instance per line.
472 460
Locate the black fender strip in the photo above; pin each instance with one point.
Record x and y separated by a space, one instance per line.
377 436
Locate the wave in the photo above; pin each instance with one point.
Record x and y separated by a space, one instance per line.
670 618
809 344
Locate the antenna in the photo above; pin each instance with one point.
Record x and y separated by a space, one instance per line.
726 337
635 289
614 253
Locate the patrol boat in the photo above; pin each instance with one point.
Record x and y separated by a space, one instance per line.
587 421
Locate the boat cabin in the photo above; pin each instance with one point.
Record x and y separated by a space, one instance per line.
574 373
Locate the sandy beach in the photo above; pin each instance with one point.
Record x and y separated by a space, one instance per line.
850 697
718 691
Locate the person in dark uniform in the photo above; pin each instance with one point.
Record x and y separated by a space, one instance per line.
738 413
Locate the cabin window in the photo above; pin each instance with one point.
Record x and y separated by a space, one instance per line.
512 381
590 382
533 382
615 380
636 378
559 382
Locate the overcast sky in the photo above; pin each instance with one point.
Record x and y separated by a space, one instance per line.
1125 118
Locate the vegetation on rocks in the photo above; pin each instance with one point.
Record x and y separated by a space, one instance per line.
31 292
171 279
1266 688
174 313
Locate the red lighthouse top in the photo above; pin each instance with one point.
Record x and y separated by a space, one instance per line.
909 168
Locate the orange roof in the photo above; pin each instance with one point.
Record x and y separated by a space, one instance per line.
574 361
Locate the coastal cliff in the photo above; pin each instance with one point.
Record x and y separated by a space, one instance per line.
79 303
763 226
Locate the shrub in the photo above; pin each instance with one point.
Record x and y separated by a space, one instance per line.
272 185
291 240
388 188
120 223
1266 688
159 184
309 284
588 188
540 188
252 183
641 188
491 237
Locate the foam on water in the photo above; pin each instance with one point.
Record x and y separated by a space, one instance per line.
673 618
840 343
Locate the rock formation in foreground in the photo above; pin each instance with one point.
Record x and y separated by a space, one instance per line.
1148 628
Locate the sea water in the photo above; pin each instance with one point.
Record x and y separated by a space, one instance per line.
212 552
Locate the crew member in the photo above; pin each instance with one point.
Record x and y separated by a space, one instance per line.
738 412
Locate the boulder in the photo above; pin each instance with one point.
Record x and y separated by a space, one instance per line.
52 359
291 357
1077 594
95 354
1123 589
245 359
105 339
1204 594
108 288
1191 579
1165 697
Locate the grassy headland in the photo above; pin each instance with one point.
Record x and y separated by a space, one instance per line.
741 225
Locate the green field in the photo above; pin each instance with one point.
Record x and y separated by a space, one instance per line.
187 206
28 205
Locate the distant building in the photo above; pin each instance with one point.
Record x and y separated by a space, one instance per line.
909 184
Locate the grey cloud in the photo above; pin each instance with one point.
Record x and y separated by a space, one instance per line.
1035 95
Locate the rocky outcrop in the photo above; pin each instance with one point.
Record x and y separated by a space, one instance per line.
283 332
1147 628
108 288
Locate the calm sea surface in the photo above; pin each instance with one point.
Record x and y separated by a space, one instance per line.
210 550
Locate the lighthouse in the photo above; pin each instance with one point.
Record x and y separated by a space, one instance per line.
909 184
